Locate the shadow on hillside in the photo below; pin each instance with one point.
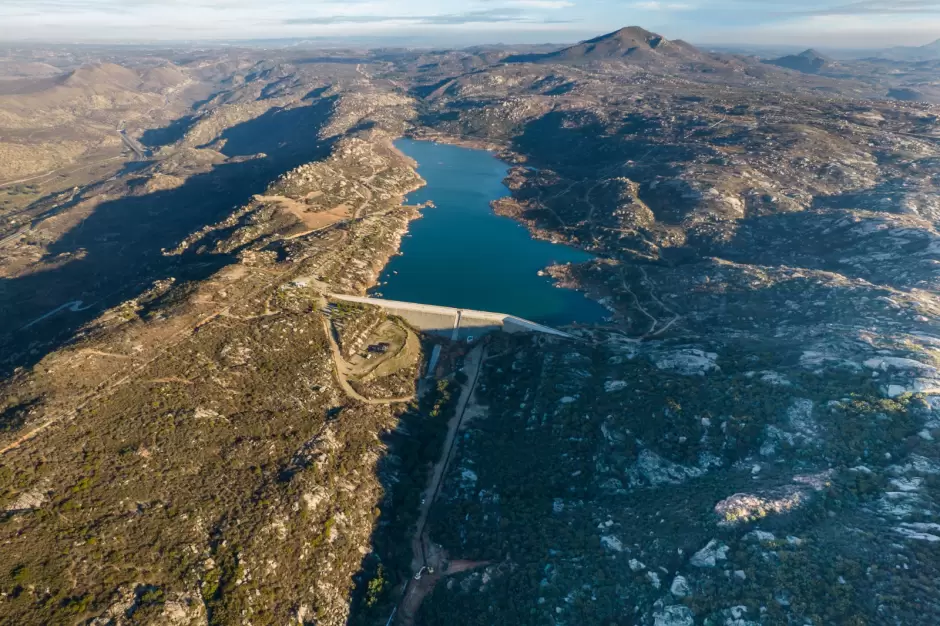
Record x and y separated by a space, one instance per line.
579 146
831 241
277 132
877 199
414 446
116 252
575 144
171 133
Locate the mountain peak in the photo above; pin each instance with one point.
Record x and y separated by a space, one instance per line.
632 43
630 34
812 53
808 62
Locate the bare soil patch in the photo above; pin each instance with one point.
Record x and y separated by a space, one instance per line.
312 220
403 348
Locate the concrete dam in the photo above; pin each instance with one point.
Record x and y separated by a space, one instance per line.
453 324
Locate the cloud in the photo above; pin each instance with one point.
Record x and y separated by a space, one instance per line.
656 5
481 20
819 24
80 6
496 15
876 7
532 4
543 4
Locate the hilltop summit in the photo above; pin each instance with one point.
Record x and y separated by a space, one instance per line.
619 42
634 44
102 74
808 62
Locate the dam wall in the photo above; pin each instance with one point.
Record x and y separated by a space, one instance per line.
454 324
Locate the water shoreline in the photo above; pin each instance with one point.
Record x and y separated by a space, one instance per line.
464 183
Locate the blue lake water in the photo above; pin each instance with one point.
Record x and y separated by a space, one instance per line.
461 254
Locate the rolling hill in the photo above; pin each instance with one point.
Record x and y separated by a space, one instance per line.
808 62
929 52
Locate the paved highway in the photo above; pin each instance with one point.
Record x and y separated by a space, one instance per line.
134 145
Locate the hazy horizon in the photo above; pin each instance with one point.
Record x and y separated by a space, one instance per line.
861 24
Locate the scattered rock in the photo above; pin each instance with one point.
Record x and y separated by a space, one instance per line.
27 501
709 555
680 587
612 543
654 470
688 361
204 413
614 385
676 615
760 535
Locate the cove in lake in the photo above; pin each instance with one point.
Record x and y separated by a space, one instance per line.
461 254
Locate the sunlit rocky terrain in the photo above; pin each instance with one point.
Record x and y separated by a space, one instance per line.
750 438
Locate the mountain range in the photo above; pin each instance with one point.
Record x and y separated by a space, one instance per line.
929 52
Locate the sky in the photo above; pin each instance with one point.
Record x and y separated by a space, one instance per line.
821 23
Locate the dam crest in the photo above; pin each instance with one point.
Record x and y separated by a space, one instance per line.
451 323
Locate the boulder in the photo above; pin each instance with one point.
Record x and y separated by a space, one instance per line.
710 554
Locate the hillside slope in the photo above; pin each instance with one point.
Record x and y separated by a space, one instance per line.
632 44
807 62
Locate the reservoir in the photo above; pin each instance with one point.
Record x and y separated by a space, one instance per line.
461 254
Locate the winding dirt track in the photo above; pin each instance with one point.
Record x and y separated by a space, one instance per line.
111 384
341 368
655 329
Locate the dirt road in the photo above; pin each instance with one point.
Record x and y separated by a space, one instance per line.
472 366
418 590
424 553
110 385
341 368
67 169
